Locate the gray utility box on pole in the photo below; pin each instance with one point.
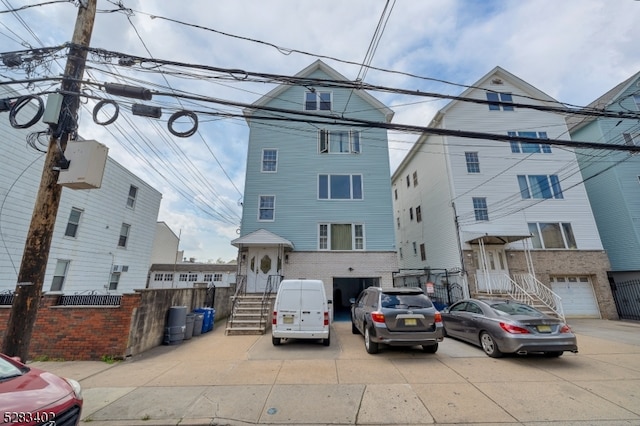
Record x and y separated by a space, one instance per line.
87 160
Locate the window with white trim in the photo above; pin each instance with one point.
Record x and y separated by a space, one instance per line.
530 147
317 101
267 208
552 235
73 223
217 277
183 277
168 277
418 214
208 277
540 187
158 277
415 178
124 235
59 275
496 101
423 252
473 162
131 198
341 236
340 187
339 142
269 160
114 280
192 277
480 208
631 139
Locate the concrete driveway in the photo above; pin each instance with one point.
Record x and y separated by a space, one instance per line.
238 380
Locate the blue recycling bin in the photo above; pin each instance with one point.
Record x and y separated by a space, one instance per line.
209 317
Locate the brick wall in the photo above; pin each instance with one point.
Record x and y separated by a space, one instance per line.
91 332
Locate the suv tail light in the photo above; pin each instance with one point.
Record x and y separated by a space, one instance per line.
437 317
326 318
565 329
377 316
274 319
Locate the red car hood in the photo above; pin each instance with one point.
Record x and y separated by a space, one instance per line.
35 390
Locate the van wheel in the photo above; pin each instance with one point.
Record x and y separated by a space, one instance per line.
354 329
370 346
430 349
276 341
327 341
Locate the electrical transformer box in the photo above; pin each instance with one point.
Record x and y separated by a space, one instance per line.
87 160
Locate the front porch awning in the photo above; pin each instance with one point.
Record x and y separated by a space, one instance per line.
262 238
492 237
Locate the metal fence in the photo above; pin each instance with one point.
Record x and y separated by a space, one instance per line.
626 295
90 300
6 298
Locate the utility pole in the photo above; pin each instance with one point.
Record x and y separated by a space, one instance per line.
28 292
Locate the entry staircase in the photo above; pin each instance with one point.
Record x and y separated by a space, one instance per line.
251 312
523 288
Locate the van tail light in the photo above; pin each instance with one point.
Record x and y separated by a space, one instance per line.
565 329
326 318
513 329
274 319
377 316
437 318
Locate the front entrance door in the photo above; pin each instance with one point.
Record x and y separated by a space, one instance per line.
491 268
263 261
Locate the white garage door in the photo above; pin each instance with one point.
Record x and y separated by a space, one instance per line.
578 298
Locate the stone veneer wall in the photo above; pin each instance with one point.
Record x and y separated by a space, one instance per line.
591 263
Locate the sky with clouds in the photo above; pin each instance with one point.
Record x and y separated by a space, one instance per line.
573 50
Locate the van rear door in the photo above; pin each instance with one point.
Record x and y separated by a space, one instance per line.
312 309
288 312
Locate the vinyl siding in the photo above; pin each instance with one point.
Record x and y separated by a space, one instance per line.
614 192
94 250
298 210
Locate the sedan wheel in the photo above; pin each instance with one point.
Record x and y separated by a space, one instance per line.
489 345
372 347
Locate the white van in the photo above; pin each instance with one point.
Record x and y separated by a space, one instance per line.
301 311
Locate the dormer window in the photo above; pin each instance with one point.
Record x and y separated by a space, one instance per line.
317 101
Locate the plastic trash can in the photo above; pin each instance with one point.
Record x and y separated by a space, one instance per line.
207 324
191 318
176 325
197 324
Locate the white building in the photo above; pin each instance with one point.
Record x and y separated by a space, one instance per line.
103 238
498 215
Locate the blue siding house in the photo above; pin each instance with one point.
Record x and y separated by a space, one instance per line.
317 198
612 180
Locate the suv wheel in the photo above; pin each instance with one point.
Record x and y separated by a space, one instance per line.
354 329
371 346
430 349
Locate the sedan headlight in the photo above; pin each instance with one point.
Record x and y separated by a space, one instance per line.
77 389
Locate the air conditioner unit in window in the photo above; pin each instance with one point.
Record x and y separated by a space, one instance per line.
117 268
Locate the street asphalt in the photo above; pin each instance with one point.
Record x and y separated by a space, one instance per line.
213 379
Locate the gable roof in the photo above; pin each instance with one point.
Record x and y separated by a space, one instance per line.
333 74
603 102
261 237
496 72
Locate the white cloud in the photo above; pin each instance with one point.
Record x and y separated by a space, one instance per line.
574 50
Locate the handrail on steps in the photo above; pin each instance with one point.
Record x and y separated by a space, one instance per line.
272 286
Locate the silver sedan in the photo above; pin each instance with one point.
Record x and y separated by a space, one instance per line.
504 326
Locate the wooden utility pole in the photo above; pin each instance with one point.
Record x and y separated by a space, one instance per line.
26 300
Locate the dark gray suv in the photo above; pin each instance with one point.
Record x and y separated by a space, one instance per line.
396 317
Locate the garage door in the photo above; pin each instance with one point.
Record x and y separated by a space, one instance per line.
578 298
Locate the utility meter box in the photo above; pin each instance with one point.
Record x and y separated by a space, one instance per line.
86 168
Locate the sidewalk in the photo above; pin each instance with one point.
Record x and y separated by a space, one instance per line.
237 380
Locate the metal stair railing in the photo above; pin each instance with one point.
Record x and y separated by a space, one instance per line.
272 286
547 296
241 290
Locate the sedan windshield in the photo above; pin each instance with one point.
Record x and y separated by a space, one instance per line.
405 301
516 309
8 370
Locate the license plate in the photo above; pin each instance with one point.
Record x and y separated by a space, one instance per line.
287 320
544 328
410 321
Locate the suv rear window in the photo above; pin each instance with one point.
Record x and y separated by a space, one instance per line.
405 301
